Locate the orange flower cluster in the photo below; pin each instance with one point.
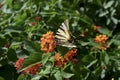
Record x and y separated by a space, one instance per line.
19 63
71 54
32 70
48 43
101 39
62 60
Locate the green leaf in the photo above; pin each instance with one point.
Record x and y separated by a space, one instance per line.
99 2
45 57
67 75
1 78
21 77
109 4
103 13
11 55
92 63
2 41
36 77
105 58
105 31
89 60
9 3
62 50
58 75
93 43
20 18
103 73
47 69
33 59
32 46
115 21
86 19
85 43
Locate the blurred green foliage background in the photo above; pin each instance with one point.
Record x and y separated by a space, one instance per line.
20 34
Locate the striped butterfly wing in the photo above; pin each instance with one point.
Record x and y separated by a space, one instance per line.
63 35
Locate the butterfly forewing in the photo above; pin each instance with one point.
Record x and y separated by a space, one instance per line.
63 35
63 31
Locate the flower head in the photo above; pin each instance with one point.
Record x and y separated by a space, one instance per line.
71 54
32 70
37 18
101 39
19 63
60 60
48 43
32 23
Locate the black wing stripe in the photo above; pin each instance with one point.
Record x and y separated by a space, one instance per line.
60 35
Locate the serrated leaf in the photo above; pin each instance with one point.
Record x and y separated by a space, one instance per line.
33 59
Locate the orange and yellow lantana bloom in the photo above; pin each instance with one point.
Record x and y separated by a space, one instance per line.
47 42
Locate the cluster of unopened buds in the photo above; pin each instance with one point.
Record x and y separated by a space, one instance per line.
37 18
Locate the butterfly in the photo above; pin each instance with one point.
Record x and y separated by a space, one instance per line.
64 36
